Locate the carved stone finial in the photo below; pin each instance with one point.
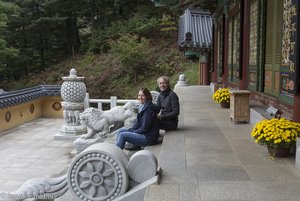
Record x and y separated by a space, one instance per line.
182 77
181 81
73 73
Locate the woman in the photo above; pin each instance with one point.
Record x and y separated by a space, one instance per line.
146 129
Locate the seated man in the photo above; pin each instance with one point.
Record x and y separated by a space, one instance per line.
167 105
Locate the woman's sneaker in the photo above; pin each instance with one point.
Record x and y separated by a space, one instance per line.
131 147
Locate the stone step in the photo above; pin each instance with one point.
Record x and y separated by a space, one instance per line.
137 193
155 149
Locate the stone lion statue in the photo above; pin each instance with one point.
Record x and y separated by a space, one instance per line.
102 122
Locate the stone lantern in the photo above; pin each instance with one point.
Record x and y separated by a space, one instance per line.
181 81
73 92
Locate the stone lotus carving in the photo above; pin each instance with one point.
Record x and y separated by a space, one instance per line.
97 177
99 173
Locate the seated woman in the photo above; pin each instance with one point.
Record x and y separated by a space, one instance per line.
145 131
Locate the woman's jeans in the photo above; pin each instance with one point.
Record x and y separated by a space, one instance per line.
134 138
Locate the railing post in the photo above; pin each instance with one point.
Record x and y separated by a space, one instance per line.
86 102
113 101
100 106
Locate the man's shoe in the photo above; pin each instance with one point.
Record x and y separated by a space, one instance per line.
132 147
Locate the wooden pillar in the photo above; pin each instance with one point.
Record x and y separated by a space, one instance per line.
296 114
225 50
203 70
200 81
214 74
245 14
205 74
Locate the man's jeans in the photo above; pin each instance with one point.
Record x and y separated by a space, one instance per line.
134 138
168 125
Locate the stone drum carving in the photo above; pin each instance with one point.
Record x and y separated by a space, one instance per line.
99 173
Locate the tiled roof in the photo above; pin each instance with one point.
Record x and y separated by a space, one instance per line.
195 29
8 99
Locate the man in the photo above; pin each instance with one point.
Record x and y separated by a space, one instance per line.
168 105
167 108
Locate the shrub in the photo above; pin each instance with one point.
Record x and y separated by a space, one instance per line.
131 51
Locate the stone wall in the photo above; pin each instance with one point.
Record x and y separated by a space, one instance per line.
13 116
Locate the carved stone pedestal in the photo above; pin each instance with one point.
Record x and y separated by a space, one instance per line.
73 91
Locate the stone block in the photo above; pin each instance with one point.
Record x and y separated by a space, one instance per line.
142 166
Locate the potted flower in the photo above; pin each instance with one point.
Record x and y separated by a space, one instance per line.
279 135
222 96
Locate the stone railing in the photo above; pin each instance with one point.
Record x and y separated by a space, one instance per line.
113 101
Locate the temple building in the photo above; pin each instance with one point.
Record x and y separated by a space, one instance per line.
255 47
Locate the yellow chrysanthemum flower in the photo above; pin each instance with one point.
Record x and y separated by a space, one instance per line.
222 94
276 132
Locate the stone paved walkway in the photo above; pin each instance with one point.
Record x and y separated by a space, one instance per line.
208 159
29 151
211 159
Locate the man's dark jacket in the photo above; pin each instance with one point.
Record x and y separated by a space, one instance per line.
168 104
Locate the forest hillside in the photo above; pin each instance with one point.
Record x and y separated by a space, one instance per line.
117 45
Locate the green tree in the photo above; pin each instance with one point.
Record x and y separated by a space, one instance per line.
7 52
132 53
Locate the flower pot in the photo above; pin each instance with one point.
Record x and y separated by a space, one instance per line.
279 152
225 104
